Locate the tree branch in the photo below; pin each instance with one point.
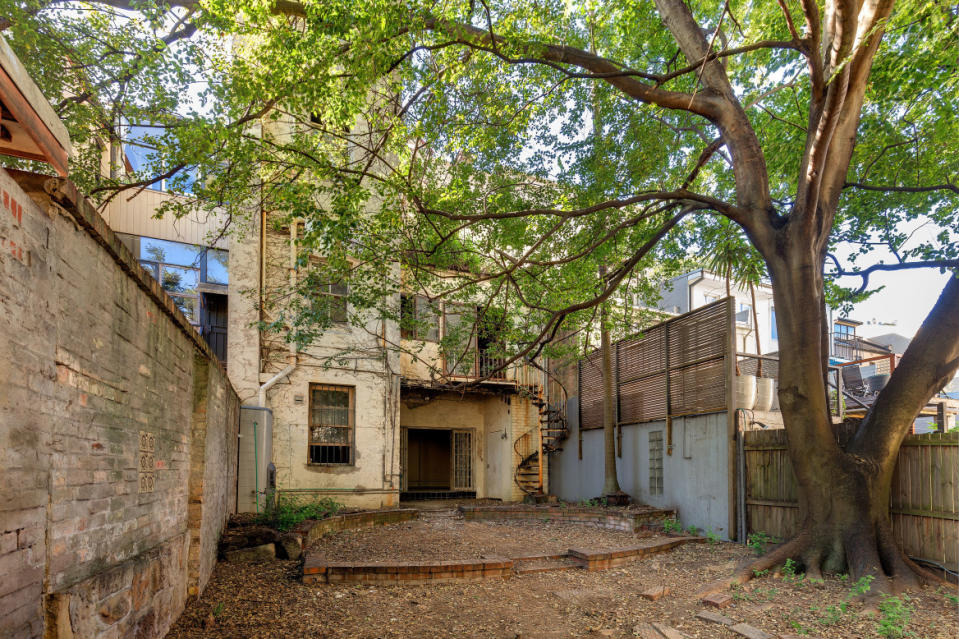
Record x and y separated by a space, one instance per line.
898 266
948 186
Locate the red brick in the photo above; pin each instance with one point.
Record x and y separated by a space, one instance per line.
718 600
655 593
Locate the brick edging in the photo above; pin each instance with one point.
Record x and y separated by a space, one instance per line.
603 559
610 520
318 570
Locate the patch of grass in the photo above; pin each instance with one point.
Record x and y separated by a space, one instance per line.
799 628
711 536
832 614
218 610
760 573
894 616
692 530
292 510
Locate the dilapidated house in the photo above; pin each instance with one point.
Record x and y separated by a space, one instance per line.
370 414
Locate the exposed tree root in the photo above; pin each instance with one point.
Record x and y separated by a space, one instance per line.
773 559
876 556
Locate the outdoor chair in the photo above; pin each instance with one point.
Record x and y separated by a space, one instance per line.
852 381
875 383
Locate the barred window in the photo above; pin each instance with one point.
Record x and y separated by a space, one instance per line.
331 424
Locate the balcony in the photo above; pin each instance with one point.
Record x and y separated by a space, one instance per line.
850 347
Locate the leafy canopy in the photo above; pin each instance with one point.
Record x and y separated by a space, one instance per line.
468 140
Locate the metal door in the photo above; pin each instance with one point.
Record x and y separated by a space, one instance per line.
462 465
404 448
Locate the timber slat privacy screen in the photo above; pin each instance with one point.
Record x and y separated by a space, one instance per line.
675 368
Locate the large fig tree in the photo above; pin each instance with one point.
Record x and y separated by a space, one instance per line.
457 137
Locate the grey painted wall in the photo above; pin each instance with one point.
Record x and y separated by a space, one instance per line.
694 477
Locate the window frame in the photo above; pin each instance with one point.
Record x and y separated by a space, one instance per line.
350 427
410 302
326 289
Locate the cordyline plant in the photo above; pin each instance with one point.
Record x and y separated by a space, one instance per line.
455 137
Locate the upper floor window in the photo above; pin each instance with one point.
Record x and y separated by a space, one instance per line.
419 319
180 268
141 156
844 331
335 298
330 300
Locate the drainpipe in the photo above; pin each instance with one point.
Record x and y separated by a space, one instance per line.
261 393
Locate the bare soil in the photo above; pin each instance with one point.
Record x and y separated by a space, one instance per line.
445 539
268 600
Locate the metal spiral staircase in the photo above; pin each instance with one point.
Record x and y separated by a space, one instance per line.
553 430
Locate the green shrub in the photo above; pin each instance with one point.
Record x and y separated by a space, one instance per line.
291 510
895 613
790 573
672 525
758 542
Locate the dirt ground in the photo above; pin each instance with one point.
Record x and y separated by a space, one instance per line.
268 600
445 539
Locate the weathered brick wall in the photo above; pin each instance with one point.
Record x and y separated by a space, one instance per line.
117 429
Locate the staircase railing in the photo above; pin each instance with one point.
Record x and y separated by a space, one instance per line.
550 397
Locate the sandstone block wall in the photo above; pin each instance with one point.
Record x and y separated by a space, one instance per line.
117 429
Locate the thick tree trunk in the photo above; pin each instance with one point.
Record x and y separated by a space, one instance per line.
611 482
844 490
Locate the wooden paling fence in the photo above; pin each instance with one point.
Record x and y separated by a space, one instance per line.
924 503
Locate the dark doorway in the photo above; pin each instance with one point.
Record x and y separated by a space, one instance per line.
213 322
429 459
436 463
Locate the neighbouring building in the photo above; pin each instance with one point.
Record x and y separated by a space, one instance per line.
847 346
687 292
188 255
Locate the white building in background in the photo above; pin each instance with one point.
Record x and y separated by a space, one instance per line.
189 256
698 288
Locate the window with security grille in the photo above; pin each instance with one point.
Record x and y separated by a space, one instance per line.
655 462
331 424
